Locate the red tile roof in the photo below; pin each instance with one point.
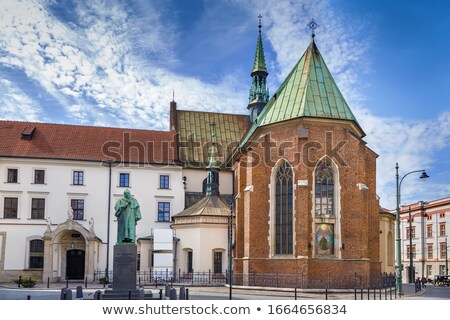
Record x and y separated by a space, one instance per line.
60 141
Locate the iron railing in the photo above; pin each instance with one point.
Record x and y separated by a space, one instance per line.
254 279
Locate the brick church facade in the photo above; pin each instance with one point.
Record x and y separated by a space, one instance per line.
305 181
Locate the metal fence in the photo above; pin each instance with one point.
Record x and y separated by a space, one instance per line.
253 279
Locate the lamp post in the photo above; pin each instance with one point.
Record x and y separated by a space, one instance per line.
398 237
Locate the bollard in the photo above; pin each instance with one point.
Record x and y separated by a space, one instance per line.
187 293
167 294
79 292
362 298
28 297
160 294
67 282
63 294
98 295
368 293
173 294
374 293
182 293
85 282
129 294
48 282
295 293
355 293
326 293
68 294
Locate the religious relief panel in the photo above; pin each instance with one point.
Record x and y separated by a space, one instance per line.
324 239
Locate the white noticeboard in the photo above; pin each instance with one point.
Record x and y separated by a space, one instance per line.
162 239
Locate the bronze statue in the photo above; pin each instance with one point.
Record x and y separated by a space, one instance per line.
128 214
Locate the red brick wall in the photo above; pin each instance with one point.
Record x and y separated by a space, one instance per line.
358 214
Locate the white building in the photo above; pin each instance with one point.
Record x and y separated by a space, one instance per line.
429 221
59 184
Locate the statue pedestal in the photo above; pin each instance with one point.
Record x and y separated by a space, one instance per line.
124 267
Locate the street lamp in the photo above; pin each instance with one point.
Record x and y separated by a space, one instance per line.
398 237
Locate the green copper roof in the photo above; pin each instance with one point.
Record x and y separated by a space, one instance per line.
308 91
260 61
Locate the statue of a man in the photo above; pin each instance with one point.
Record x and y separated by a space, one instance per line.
128 214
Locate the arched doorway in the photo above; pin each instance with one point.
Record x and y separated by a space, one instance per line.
75 264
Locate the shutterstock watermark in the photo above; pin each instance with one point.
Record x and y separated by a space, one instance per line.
196 154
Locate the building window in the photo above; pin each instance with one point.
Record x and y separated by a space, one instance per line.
13 176
10 208
284 209
408 251
442 215
39 176
411 231
124 180
429 251
164 211
442 269
36 254
324 188
218 262
429 217
429 269
443 250
429 231
37 208
78 178
164 182
78 208
442 229
190 268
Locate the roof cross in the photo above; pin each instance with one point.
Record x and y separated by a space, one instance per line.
259 17
313 26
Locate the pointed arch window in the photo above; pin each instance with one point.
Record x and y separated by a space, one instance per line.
283 209
324 188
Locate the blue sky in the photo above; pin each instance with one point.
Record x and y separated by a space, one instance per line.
116 63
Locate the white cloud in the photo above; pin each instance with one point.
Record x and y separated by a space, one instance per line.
93 66
16 105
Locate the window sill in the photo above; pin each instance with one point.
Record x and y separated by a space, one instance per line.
10 218
36 219
42 184
123 187
163 221
163 188
77 185
11 182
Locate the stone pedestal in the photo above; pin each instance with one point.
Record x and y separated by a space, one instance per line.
124 267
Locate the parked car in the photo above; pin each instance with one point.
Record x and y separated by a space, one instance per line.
442 280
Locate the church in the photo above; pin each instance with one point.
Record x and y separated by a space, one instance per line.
294 178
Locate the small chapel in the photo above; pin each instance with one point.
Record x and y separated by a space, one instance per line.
305 180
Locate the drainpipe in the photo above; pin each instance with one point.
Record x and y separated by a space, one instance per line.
109 220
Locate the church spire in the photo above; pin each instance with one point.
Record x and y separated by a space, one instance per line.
212 180
259 94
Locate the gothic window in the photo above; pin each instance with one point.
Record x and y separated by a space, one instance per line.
324 188
284 210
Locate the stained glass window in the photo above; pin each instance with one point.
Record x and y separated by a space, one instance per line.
283 210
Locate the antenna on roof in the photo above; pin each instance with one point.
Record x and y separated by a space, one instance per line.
313 26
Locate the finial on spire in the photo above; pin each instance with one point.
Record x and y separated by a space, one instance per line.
259 26
313 26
